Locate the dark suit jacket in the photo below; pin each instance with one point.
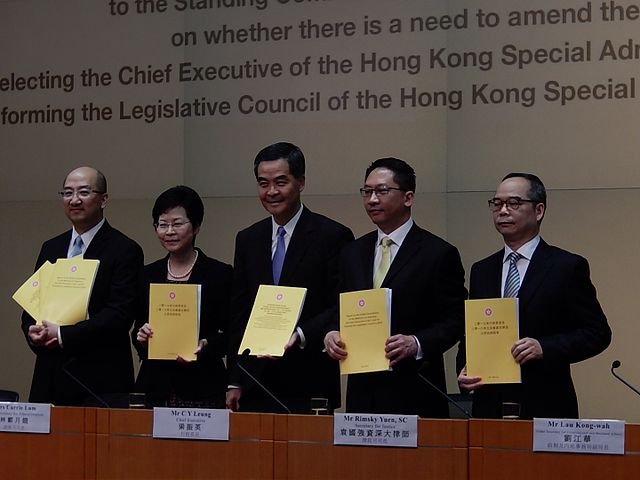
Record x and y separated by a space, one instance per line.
204 380
96 351
427 282
559 308
311 261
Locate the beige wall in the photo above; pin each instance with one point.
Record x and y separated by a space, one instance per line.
586 151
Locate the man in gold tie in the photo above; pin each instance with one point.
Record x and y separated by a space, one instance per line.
426 277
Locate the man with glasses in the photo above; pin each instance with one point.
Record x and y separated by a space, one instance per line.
294 247
93 356
561 321
426 278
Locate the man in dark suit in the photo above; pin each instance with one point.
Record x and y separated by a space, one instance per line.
426 277
95 351
297 248
561 321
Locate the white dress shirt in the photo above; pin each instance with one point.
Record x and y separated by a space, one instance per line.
86 240
289 228
86 237
397 237
526 251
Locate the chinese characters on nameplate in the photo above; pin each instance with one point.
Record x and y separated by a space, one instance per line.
375 430
25 417
578 436
191 423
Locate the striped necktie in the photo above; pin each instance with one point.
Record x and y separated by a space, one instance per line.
512 283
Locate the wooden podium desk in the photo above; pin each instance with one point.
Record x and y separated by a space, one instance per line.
304 450
68 452
91 443
110 444
502 449
125 449
266 446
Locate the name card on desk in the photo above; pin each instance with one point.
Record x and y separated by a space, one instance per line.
578 436
191 423
375 430
25 417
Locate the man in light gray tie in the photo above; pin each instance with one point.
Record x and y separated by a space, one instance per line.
92 357
561 321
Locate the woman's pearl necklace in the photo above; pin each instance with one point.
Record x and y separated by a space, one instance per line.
185 274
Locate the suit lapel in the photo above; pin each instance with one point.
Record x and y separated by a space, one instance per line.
494 281
61 248
198 274
300 241
98 242
539 266
262 259
410 246
367 255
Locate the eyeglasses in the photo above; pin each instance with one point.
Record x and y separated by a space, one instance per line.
366 192
82 193
512 203
164 227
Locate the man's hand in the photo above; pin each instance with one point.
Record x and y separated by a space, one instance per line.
52 333
399 347
201 345
334 346
37 334
526 349
468 383
293 341
144 333
45 335
233 399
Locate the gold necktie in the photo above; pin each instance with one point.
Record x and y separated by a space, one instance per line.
385 262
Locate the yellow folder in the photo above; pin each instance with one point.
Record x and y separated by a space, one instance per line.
365 325
274 316
59 292
491 329
28 295
65 295
174 317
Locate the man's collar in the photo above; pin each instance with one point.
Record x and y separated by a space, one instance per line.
399 234
525 250
89 234
289 226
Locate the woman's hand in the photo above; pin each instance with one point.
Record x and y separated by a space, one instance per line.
201 346
144 334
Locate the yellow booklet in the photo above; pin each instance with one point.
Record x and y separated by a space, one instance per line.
28 295
59 292
491 329
274 316
174 317
64 298
365 325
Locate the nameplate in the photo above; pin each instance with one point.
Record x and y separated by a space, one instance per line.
25 417
578 436
375 430
191 423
